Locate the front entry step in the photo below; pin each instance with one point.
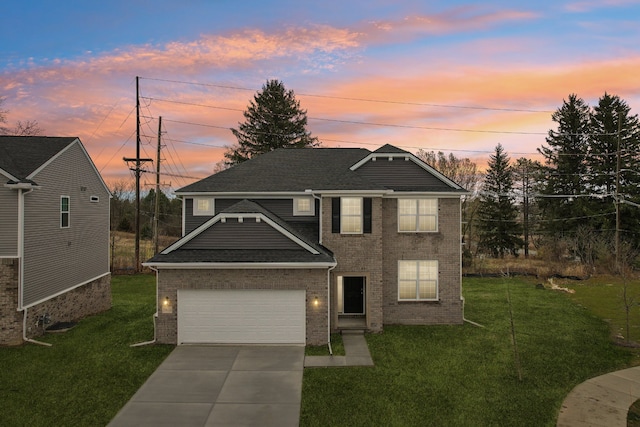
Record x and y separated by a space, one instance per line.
352 332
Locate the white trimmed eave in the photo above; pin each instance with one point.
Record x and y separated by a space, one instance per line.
236 265
224 215
438 194
242 195
23 186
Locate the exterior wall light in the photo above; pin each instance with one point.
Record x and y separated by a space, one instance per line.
316 302
167 308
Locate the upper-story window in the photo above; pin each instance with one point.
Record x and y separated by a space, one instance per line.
351 215
203 206
64 211
303 206
417 215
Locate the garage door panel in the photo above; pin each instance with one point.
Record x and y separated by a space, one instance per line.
241 316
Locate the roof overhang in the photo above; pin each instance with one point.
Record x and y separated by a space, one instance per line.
237 265
22 185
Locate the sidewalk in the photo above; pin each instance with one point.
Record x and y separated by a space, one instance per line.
601 401
355 348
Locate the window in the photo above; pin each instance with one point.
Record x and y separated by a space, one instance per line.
303 206
203 206
64 211
351 215
417 215
417 280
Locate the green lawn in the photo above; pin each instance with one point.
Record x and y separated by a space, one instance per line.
439 375
91 371
465 375
604 297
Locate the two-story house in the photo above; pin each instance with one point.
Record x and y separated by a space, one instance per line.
297 243
54 235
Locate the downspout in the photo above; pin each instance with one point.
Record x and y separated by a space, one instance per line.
329 308
313 194
24 331
21 195
464 319
155 317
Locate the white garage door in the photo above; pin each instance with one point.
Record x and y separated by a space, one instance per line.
241 316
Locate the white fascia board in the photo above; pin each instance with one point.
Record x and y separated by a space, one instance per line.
222 215
407 156
440 195
22 186
8 175
243 195
237 265
363 193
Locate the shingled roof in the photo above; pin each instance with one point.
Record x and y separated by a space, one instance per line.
20 156
290 170
180 255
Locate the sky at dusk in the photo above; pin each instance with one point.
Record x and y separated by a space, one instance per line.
458 77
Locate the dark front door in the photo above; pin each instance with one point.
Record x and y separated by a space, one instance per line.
353 295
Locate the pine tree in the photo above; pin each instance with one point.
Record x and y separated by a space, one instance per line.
610 116
566 169
273 120
498 229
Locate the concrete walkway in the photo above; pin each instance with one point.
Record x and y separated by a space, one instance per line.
601 401
356 354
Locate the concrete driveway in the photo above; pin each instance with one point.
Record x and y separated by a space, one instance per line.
220 386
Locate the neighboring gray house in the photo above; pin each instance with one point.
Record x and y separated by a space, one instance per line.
54 235
297 243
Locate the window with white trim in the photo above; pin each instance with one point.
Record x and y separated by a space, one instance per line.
64 211
203 206
351 215
418 280
417 215
303 206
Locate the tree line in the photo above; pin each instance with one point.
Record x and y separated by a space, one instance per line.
582 201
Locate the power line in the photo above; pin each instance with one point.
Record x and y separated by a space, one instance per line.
381 101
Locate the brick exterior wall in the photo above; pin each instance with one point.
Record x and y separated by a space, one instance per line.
443 246
376 257
10 318
89 299
313 281
357 255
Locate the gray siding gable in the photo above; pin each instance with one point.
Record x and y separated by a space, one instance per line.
8 222
59 259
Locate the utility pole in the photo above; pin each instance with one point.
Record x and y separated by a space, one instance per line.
617 198
137 161
156 213
525 191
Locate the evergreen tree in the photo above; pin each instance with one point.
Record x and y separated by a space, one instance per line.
615 135
273 120
566 169
498 229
